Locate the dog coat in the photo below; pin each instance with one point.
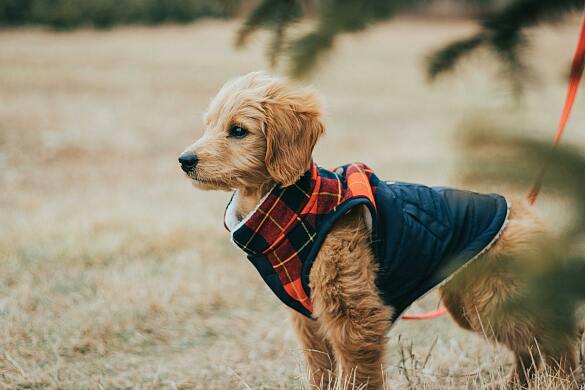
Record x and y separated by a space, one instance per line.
419 235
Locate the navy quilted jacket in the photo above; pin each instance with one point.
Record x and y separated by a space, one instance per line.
420 235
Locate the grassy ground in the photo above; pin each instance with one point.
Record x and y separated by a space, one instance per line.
116 273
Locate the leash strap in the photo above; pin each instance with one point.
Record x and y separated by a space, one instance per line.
574 79
427 316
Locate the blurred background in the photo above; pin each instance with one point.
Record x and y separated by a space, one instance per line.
115 272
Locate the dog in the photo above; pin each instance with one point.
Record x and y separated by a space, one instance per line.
258 142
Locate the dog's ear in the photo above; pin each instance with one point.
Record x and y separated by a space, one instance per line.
293 126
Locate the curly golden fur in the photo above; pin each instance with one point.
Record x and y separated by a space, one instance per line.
283 123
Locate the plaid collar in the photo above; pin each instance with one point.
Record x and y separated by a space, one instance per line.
273 217
280 234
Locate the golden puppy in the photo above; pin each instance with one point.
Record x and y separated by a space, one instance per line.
259 137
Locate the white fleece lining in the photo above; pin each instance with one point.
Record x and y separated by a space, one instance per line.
367 218
231 216
486 248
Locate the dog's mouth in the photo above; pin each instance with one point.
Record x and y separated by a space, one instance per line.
202 183
196 178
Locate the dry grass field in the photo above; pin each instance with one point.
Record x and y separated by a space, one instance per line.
116 273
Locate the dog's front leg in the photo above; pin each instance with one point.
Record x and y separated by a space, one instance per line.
347 302
317 350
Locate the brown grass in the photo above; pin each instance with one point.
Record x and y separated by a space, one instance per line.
116 273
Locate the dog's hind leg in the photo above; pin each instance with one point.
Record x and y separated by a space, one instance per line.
317 350
487 295
452 301
348 305
472 310
526 365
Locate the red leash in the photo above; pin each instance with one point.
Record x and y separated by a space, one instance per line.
574 80
427 316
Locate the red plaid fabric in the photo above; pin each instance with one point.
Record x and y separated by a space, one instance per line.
280 234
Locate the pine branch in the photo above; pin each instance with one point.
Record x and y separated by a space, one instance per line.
445 59
503 33
307 51
275 15
337 17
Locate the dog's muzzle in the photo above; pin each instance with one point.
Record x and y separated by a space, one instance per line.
188 161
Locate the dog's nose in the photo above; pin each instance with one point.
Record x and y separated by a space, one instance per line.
188 161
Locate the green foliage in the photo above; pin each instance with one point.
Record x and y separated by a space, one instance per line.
517 161
502 32
64 14
448 57
501 29
334 17
15 11
554 275
277 15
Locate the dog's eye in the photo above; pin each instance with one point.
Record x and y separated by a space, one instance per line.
238 132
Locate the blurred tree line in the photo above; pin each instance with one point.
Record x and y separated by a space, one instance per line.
65 14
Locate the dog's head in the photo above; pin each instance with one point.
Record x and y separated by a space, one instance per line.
259 129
